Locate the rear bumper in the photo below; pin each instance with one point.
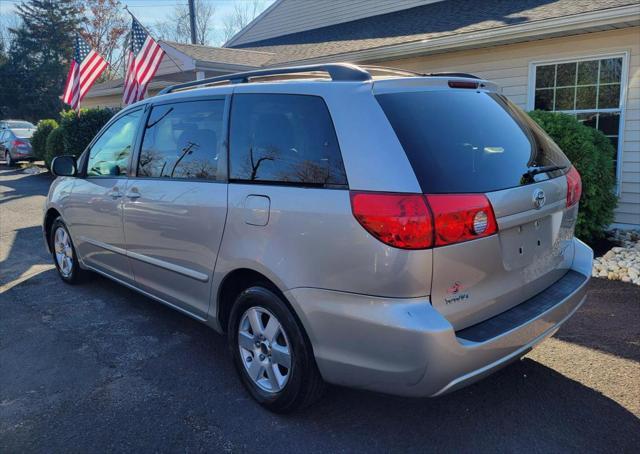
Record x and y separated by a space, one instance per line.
22 156
405 347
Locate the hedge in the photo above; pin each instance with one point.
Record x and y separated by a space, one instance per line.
39 138
592 154
54 147
79 128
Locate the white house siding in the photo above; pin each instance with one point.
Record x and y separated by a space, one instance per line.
110 100
174 62
509 66
291 16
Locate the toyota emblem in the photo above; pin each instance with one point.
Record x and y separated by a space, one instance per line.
539 198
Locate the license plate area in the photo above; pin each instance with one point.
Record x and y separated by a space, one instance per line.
524 244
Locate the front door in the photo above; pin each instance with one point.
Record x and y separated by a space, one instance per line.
94 211
175 207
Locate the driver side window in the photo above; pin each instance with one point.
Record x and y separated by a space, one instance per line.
109 155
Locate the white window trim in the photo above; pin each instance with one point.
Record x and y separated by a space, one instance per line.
623 96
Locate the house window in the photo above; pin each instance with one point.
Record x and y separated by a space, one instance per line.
590 89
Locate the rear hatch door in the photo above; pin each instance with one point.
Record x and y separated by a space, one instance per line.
23 139
471 141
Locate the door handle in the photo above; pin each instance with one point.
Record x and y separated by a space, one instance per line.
133 193
114 193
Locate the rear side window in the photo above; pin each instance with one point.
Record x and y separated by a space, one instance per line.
287 139
468 141
181 141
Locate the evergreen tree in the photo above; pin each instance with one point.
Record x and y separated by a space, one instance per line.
3 69
3 52
39 57
4 74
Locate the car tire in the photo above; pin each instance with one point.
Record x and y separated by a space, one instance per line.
7 159
64 253
262 365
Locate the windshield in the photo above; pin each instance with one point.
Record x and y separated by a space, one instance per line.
468 141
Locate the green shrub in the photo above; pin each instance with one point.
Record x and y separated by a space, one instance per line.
54 147
592 154
39 138
79 128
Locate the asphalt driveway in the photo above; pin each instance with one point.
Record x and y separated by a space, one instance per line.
100 368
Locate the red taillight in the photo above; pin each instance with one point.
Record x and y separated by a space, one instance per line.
415 221
399 220
461 217
19 143
574 187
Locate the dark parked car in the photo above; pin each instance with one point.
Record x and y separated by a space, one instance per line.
15 141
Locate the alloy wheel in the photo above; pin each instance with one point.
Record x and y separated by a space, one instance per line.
63 251
265 349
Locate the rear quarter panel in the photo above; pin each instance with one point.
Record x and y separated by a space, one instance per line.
312 240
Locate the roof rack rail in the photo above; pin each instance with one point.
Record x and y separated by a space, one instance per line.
470 76
391 71
337 71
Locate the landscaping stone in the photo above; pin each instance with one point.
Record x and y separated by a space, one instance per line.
621 263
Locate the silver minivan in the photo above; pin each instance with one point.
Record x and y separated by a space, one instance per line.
367 227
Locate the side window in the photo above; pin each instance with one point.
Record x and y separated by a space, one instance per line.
181 140
109 155
284 138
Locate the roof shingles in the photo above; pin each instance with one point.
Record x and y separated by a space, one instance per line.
430 21
222 54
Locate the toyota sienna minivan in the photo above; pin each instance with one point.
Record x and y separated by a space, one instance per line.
366 227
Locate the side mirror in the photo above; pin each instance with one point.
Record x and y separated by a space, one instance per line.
64 166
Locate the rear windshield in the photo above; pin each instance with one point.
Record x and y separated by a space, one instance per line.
20 125
24 133
470 141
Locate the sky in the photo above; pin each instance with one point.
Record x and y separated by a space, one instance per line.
149 12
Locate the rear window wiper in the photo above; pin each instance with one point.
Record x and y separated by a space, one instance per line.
541 169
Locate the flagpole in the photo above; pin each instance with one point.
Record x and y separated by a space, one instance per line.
149 33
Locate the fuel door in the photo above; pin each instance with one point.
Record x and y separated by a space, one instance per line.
256 210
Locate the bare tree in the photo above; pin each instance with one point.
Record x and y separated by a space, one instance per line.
177 28
243 12
104 27
311 172
269 154
7 23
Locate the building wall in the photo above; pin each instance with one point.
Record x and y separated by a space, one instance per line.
102 101
109 101
115 100
509 66
291 16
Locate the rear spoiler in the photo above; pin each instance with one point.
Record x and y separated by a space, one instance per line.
435 81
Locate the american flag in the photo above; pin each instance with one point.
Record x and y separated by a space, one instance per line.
86 67
143 58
